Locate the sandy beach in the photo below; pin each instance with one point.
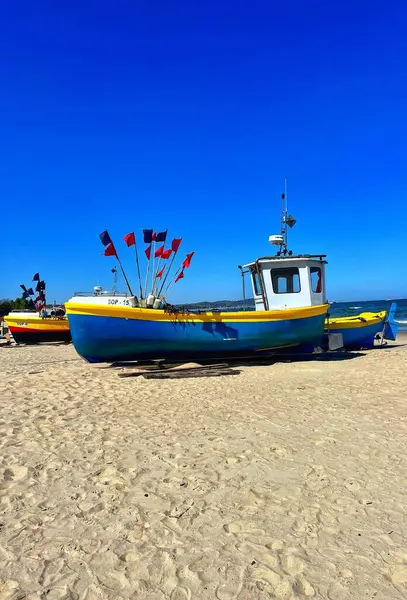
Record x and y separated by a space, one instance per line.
286 481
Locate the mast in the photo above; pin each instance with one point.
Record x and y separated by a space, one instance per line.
114 271
283 215
286 221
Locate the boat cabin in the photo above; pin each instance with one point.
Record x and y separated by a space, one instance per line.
288 281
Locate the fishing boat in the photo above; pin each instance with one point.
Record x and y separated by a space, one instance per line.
103 332
361 331
30 327
290 311
39 324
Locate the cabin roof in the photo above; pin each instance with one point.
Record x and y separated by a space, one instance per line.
298 257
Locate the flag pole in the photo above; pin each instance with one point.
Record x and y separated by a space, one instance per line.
172 281
110 248
148 272
156 273
138 267
167 273
158 283
152 274
185 265
161 237
124 274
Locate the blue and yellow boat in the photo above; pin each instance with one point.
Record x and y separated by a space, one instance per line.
290 311
361 331
108 333
357 331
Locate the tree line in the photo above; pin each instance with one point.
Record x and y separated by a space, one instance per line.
7 306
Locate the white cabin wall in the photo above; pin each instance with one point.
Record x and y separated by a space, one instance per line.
286 300
305 297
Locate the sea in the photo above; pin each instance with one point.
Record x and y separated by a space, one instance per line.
336 309
342 309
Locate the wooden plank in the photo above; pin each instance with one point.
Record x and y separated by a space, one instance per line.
175 369
189 374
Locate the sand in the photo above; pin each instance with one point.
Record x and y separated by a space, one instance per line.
287 481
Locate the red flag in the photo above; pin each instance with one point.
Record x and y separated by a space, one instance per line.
180 276
110 250
154 237
130 239
148 252
176 243
166 254
187 262
159 251
160 274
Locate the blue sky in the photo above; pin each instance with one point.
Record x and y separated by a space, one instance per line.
186 115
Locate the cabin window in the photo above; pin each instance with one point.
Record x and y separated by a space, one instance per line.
256 283
286 281
316 280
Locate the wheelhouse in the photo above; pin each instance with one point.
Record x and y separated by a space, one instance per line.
288 281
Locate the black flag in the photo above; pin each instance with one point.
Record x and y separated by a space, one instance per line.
105 238
36 277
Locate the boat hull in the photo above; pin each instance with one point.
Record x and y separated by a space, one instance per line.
357 331
35 330
111 333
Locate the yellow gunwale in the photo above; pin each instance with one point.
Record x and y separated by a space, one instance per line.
146 314
355 322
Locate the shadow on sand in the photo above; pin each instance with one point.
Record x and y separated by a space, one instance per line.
285 357
389 346
255 359
251 360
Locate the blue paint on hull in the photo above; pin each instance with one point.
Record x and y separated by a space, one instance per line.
108 339
356 338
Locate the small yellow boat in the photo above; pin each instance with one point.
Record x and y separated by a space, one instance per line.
29 327
357 331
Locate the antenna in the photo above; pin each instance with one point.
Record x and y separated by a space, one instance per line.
114 271
285 220
283 215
